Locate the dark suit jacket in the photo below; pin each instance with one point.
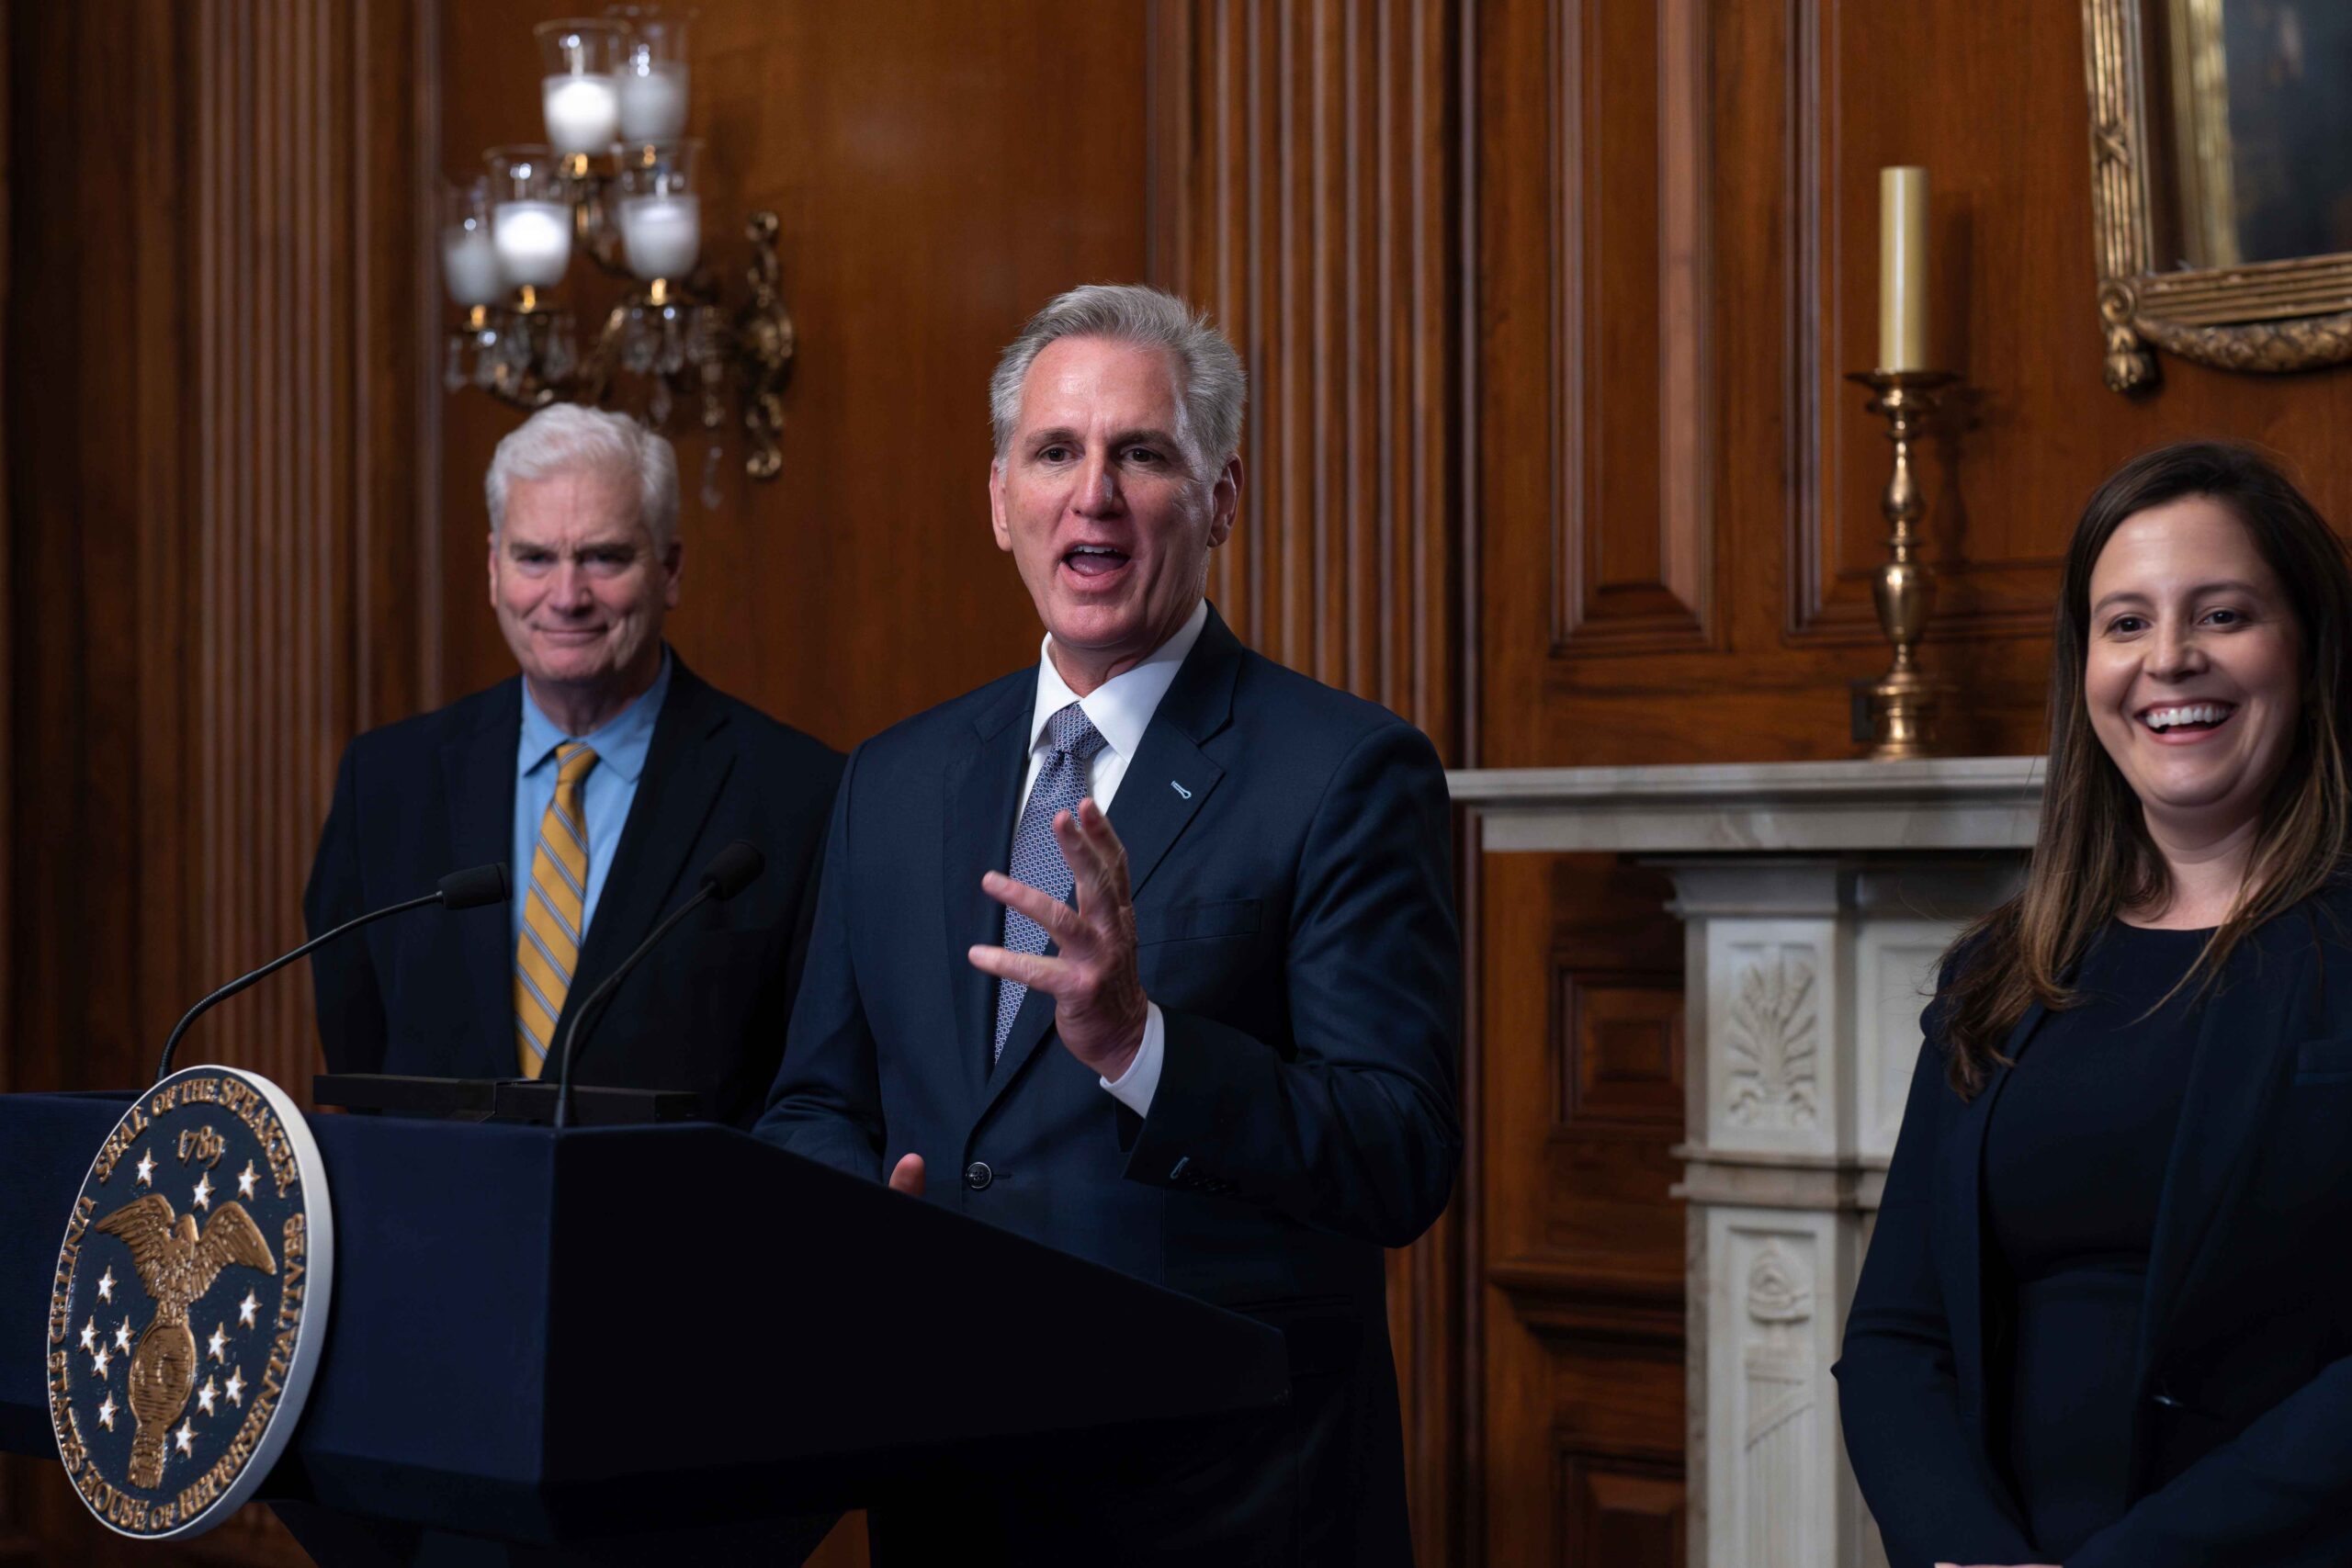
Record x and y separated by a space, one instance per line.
2241 1442
1289 851
432 993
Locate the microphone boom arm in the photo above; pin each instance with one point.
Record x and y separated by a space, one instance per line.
163 1066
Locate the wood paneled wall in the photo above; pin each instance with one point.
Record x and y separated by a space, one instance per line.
1676 265
1306 193
211 416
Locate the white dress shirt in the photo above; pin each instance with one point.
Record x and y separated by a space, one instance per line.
1119 709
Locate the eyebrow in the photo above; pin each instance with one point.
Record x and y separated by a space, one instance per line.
582 547
2224 585
1070 437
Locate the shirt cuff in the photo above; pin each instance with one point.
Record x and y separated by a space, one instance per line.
1137 1085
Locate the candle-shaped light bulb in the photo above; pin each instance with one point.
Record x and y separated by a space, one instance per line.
661 235
582 112
1903 268
533 239
469 264
652 100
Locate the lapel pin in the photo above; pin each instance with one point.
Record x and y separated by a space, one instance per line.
1180 789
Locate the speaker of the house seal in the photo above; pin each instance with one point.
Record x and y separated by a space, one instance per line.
189 1305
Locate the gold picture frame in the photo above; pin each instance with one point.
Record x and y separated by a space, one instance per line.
2265 317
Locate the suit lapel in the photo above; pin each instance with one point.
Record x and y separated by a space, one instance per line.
1163 788
477 777
979 789
686 762
1960 1212
2246 1023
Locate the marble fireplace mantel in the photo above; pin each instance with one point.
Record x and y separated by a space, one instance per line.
1940 803
1816 897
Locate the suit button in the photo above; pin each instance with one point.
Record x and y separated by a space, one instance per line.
976 1174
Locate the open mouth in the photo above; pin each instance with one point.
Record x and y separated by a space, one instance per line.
1093 561
2187 718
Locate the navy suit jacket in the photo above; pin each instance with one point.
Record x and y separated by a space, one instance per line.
2242 1441
1289 851
431 994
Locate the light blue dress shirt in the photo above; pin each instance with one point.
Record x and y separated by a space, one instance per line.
620 746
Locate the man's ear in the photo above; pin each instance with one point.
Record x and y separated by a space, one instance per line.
1225 502
673 565
490 559
997 523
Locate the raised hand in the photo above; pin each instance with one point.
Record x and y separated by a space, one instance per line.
1099 1006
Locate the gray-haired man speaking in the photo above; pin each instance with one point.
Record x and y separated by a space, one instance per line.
606 774
1147 951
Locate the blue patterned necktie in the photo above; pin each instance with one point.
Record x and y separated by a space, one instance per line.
1036 859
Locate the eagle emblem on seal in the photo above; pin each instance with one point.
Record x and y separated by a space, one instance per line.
177 1263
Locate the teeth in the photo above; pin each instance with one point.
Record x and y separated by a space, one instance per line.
1092 551
2188 713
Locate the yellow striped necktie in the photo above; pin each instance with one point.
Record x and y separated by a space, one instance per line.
547 954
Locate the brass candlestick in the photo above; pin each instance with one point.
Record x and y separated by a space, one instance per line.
1903 701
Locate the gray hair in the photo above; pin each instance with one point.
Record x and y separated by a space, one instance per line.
1214 386
565 437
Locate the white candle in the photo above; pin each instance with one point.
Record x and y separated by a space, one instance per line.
653 102
661 235
469 264
534 240
582 112
1903 269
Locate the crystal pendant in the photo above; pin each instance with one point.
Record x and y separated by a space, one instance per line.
657 407
710 496
559 360
453 365
673 344
637 344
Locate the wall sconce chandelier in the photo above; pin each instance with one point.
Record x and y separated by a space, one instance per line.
617 179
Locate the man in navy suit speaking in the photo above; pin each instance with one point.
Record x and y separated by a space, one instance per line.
1147 952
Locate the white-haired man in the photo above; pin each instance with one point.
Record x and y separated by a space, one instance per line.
605 774
1231 1069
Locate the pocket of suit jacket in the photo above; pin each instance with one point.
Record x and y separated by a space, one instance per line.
1198 922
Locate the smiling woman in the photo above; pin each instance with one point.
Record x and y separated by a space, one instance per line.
2101 1320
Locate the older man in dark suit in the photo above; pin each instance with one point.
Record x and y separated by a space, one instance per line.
1230 1067
606 774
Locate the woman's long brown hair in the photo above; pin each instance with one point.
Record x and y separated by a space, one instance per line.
2092 857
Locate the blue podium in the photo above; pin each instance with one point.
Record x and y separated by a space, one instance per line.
617 1335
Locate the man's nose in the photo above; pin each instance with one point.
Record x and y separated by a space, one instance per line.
571 590
1098 487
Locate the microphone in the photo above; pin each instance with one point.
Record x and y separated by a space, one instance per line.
730 870
458 890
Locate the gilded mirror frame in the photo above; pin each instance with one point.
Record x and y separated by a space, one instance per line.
2263 318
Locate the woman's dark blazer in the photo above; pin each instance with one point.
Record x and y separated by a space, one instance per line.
2242 1429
